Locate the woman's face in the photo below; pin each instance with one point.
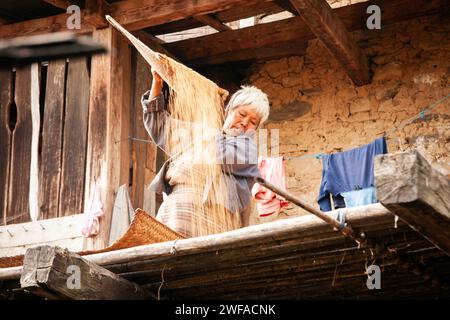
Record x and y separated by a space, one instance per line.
245 118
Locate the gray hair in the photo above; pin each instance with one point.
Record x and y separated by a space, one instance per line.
250 95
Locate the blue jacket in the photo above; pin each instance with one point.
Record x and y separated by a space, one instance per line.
348 171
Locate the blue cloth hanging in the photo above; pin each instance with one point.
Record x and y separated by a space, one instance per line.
348 171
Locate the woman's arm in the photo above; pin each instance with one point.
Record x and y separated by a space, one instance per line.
156 117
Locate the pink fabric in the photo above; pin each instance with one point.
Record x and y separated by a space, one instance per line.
91 217
273 171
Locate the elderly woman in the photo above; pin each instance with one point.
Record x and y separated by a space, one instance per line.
247 110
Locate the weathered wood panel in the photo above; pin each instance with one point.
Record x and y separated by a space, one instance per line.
139 149
108 149
74 138
417 193
64 232
96 170
6 99
36 125
18 197
57 273
51 141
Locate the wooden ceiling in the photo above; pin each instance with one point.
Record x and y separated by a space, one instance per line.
262 41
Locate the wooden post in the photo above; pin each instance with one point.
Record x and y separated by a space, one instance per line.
417 193
108 148
74 138
19 187
51 141
6 100
54 273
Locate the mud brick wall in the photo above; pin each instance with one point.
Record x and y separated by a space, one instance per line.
317 109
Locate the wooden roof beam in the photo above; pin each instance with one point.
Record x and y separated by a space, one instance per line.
209 20
327 26
417 193
49 271
140 14
286 5
95 11
61 4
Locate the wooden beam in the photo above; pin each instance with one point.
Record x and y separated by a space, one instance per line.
327 27
4 21
108 151
209 20
51 140
73 154
6 100
417 193
61 4
52 272
64 232
54 23
95 11
287 6
232 14
140 14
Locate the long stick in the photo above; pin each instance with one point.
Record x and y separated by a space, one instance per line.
359 237
346 229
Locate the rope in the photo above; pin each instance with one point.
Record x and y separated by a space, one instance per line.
421 115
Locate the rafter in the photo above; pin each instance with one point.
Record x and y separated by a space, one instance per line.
329 28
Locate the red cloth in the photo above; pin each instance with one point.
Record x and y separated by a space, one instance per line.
273 171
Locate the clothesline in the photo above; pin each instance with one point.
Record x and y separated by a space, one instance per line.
421 115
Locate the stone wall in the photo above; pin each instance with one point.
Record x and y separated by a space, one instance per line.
317 109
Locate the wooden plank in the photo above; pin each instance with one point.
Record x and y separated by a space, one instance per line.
229 15
64 232
287 6
108 149
51 141
209 20
249 236
6 100
417 193
36 125
328 27
56 23
142 83
99 98
61 4
95 11
74 138
269 52
49 270
140 14
18 198
123 214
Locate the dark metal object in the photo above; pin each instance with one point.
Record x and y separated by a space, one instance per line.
25 50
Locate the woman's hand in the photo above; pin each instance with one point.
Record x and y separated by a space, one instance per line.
157 84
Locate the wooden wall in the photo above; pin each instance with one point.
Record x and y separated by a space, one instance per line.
59 132
87 110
